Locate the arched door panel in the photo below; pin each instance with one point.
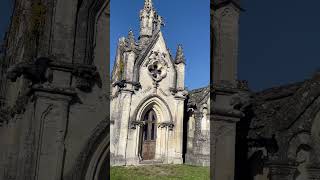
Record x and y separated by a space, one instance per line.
149 135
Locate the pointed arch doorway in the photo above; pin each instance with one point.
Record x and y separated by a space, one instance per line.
149 136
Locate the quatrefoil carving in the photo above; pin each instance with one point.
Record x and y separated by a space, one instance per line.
157 66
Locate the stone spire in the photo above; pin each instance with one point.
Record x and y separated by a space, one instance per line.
179 55
148 4
130 42
150 21
147 15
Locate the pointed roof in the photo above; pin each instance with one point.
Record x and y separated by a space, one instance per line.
131 45
179 55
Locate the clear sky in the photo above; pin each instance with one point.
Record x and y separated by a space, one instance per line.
5 13
187 22
279 41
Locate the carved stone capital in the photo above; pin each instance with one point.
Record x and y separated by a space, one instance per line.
42 70
168 124
134 124
123 84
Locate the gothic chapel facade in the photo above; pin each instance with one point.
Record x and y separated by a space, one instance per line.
148 97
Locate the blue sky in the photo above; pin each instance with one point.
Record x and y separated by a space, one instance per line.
5 13
279 42
186 22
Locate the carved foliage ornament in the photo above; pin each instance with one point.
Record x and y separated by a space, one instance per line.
157 66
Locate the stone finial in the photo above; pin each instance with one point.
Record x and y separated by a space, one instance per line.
179 55
147 4
150 21
131 45
158 22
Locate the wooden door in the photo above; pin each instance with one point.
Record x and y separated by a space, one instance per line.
149 136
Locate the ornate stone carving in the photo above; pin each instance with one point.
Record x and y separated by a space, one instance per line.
36 72
179 56
41 71
170 125
123 84
134 124
86 78
157 66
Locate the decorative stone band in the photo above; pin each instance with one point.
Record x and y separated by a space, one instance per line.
54 90
134 124
7 113
86 75
168 124
123 83
176 90
41 71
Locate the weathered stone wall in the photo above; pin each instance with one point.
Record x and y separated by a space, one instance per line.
198 137
54 115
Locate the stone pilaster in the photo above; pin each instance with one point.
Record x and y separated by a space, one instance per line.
223 132
224 139
180 67
179 130
225 30
50 118
125 98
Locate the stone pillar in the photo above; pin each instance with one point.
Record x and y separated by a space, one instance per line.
223 132
224 163
125 98
50 117
191 128
224 32
180 67
179 130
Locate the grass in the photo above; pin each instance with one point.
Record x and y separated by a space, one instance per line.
160 172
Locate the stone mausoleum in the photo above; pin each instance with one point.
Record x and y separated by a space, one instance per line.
149 102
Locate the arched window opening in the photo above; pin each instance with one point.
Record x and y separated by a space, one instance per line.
150 120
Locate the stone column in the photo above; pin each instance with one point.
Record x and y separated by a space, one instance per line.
179 130
191 128
50 117
126 96
223 132
224 163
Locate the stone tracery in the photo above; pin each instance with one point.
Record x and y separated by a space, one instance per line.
157 66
